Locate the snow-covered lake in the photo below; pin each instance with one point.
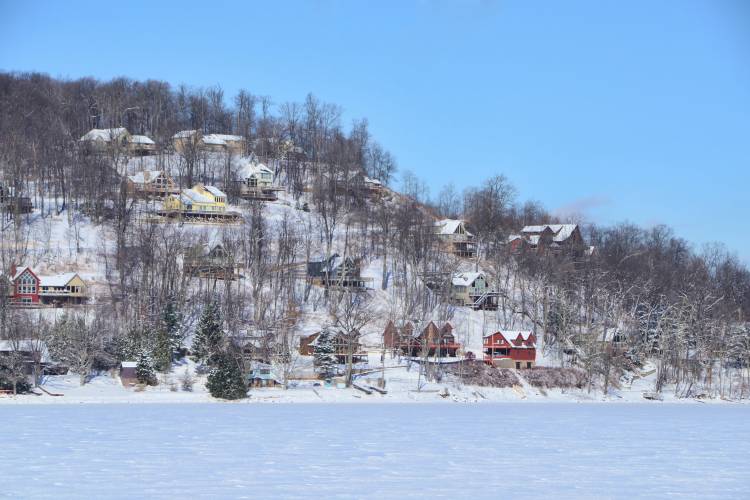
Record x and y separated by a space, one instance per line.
375 451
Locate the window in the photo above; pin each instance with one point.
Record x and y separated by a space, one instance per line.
528 364
518 365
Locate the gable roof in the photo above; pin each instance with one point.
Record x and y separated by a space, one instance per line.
465 279
450 226
58 280
26 345
215 191
561 231
520 339
145 177
141 139
249 168
104 134
185 134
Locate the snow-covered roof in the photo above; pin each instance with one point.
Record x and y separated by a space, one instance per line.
514 237
221 139
58 280
104 134
215 191
141 139
249 168
369 180
561 231
511 336
451 226
129 364
26 345
145 177
465 279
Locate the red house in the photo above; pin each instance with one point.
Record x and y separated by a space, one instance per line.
511 349
29 288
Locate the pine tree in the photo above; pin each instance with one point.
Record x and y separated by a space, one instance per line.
163 351
171 322
324 354
225 379
209 337
144 370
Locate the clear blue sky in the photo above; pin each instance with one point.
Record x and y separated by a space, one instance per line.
634 110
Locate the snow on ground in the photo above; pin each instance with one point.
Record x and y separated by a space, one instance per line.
376 451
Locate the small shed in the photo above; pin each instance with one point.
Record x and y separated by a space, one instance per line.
127 372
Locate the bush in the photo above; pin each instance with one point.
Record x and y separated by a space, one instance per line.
549 378
478 373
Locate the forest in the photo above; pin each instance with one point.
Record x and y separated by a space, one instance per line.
627 297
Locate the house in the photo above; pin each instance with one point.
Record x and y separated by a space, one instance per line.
215 263
471 289
194 140
262 375
429 340
14 204
510 349
33 354
152 183
456 238
555 238
342 344
337 272
256 181
100 140
397 333
28 288
203 203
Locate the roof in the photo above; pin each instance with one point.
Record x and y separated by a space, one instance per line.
221 139
26 345
249 168
561 231
141 139
57 280
145 177
450 226
465 279
369 180
512 337
129 364
104 134
215 191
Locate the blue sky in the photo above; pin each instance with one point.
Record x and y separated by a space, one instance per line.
635 111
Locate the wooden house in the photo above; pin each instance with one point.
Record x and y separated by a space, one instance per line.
262 375
338 272
33 354
256 181
201 203
548 238
430 340
28 289
471 289
101 140
216 263
456 238
194 140
396 334
342 343
510 349
152 183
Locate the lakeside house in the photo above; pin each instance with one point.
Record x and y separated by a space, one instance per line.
101 140
186 141
152 183
28 288
429 340
215 263
199 204
256 181
552 238
456 239
343 343
338 272
510 349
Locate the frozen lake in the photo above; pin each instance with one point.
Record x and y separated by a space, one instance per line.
375 451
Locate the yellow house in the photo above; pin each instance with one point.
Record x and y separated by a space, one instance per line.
199 199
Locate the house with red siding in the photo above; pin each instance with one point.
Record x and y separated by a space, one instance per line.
30 288
510 349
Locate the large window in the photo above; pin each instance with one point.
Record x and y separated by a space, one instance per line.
27 284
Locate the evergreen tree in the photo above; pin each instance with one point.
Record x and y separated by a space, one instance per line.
209 337
171 322
225 379
163 351
324 354
144 370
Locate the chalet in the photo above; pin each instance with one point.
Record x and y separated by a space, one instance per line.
152 183
256 181
396 334
262 375
471 289
14 204
555 238
456 238
194 140
342 344
510 349
216 263
98 140
206 203
427 341
337 272
28 288
33 354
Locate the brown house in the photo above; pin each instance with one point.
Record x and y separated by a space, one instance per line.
341 343
552 238
430 340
